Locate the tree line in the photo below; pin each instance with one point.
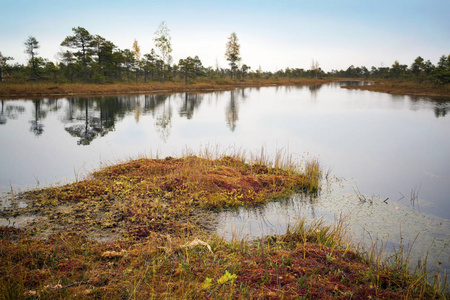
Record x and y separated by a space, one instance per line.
94 59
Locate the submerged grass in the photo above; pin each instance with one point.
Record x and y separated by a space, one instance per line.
155 215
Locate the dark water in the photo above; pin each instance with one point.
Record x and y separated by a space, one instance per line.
383 146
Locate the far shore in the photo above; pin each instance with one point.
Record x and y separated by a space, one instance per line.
49 89
405 88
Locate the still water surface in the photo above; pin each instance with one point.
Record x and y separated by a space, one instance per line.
384 146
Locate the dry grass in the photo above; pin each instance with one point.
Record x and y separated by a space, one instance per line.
309 262
156 214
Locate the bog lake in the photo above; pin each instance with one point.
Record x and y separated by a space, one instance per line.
387 157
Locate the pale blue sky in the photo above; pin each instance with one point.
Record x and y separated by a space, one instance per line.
272 34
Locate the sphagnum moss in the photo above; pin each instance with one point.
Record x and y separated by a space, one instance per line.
155 212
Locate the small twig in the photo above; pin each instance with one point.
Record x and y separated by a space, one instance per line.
12 191
77 284
198 242
37 180
359 195
415 195
76 172
385 200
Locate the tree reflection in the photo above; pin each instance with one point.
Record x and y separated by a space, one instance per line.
2 115
190 104
314 89
232 111
164 121
36 124
440 111
441 105
90 118
82 130
152 102
12 111
137 110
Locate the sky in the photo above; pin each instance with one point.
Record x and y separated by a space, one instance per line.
273 35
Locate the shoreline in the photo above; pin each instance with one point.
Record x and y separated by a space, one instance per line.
404 88
27 90
10 91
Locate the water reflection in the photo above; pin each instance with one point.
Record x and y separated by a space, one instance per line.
190 104
353 83
232 111
440 111
314 89
163 121
2 115
39 114
10 111
90 118
152 102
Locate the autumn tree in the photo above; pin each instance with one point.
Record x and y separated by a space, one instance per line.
232 53
136 50
31 46
82 41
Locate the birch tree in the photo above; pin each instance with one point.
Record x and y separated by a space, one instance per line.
315 67
232 53
162 41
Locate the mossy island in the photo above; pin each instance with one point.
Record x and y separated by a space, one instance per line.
145 229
